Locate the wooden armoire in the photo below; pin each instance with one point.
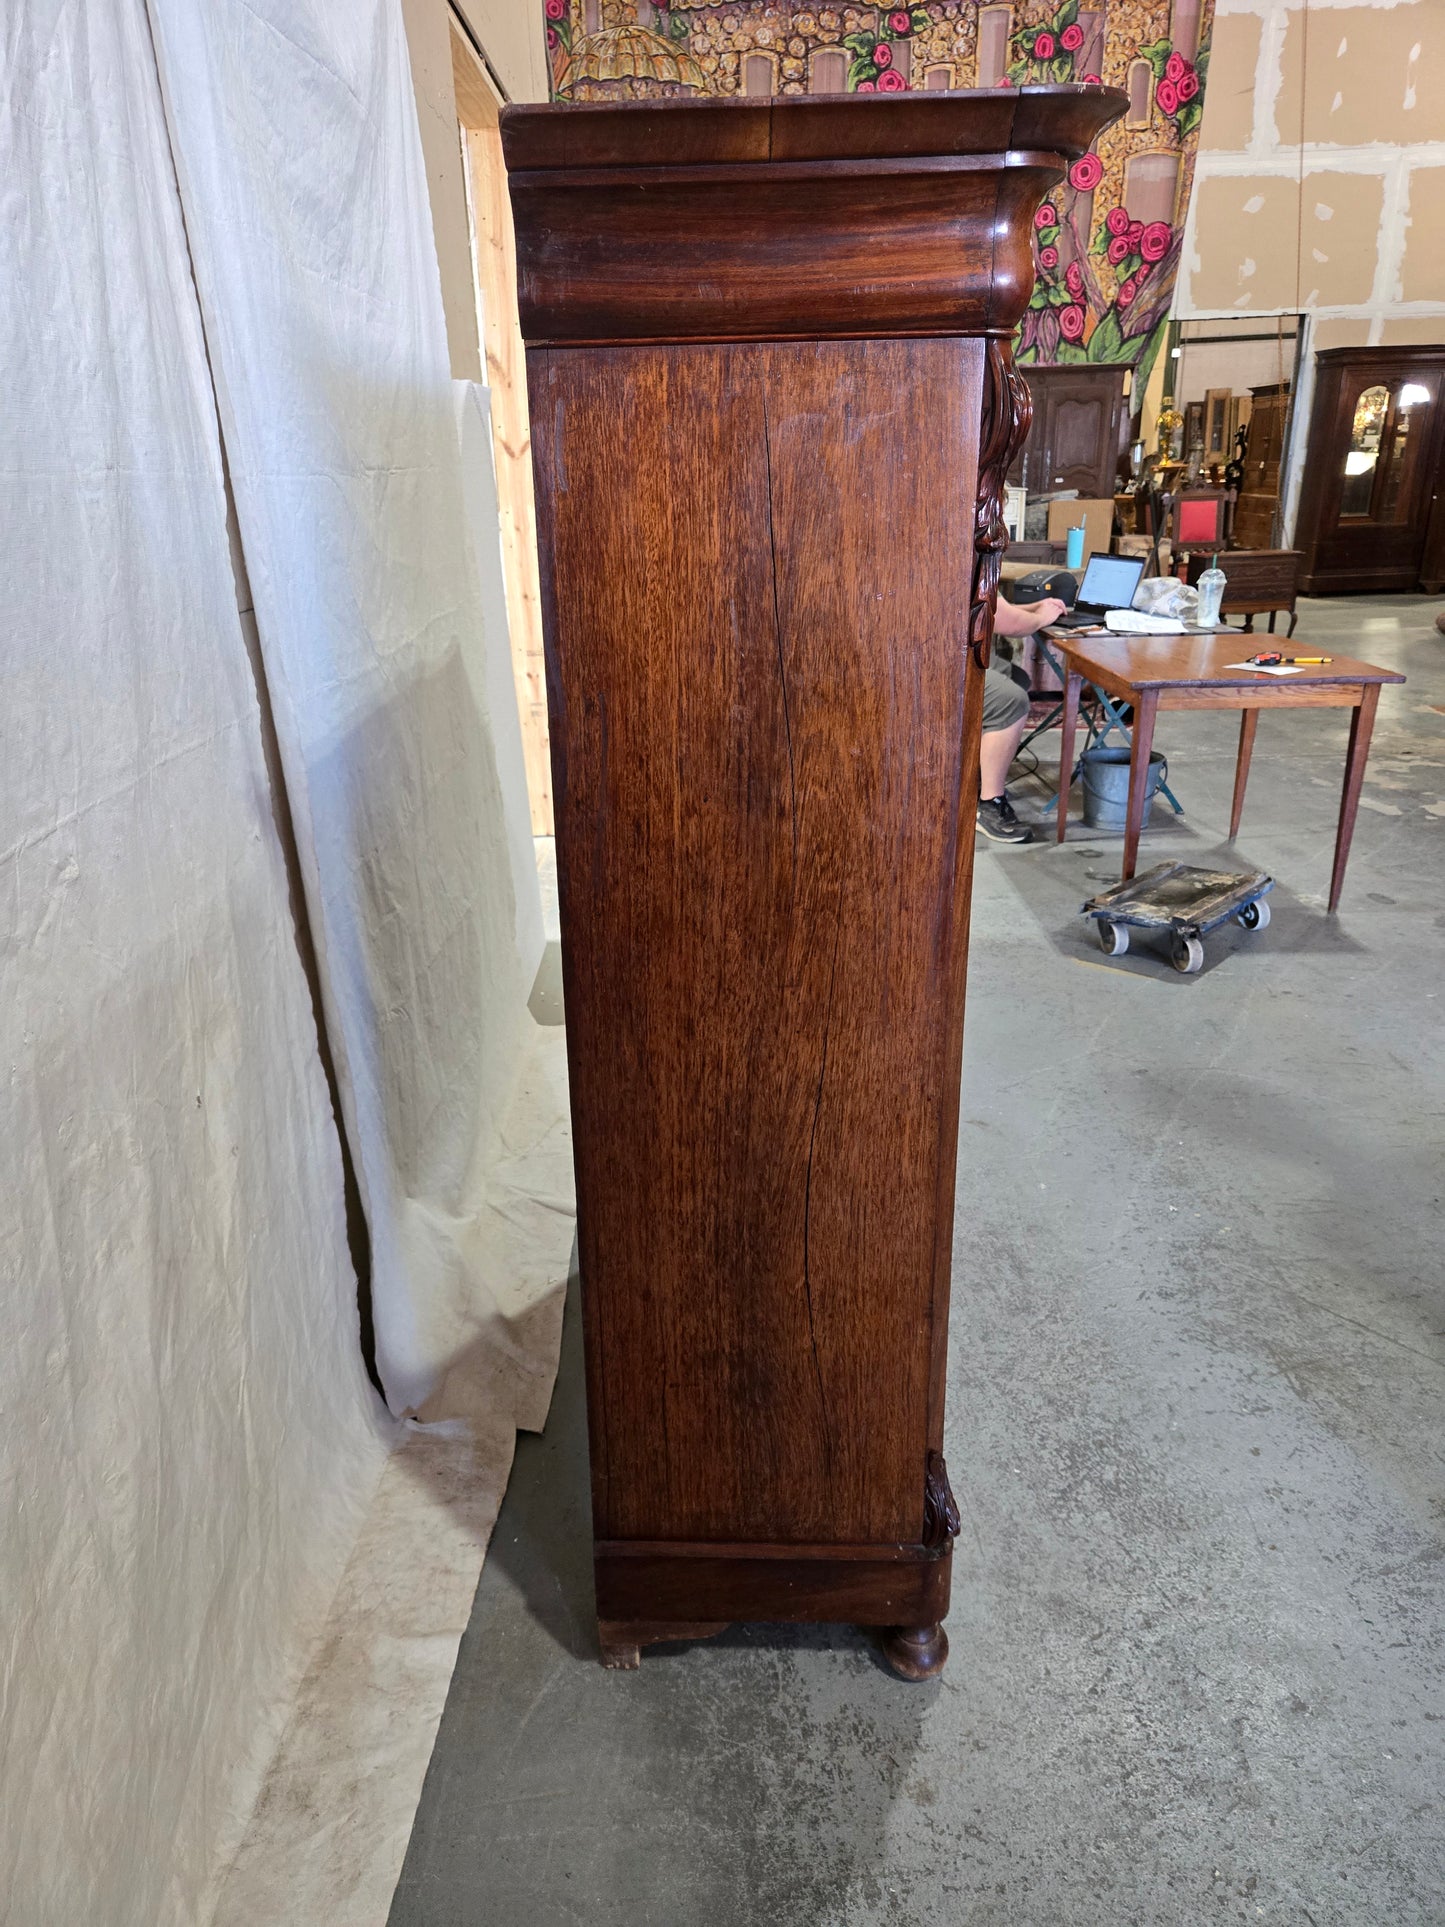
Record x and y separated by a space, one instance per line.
1256 512
1077 435
1372 501
773 407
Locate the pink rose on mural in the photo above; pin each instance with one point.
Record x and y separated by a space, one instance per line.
1167 95
1004 81
1118 250
556 9
1044 47
1117 220
866 87
1134 235
1047 216
1175 67
1074 280
552 40
1086 173
1071 322
1048 257
1127 293
1092 80
1154 241
1072 38
1189 85
882 55
892 82
900 22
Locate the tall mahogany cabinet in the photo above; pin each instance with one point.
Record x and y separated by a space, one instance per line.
1372 505
773 407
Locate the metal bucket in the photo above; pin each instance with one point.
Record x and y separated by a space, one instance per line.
1106 786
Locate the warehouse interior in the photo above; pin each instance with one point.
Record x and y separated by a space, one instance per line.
330 1060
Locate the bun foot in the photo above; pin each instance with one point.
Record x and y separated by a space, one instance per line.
916 1652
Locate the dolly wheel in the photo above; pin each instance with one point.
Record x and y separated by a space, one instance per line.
1254 916
1113 937
1187 955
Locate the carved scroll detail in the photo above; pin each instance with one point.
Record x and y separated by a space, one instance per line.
940 1510
1007 412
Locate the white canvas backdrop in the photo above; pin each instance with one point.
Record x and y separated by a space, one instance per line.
294 130
187 1437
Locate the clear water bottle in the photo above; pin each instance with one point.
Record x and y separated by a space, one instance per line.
1211 593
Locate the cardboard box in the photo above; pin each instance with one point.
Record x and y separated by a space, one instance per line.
1096 516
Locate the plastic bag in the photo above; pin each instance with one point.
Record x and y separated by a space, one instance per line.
1163 595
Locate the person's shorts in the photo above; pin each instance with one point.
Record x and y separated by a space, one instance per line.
1005 702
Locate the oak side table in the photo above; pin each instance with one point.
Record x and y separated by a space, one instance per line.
1199 672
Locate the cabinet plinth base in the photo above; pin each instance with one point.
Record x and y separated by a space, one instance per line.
649 1591
620 1641
916 1652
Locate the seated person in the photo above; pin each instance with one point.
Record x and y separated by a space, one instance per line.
1005 717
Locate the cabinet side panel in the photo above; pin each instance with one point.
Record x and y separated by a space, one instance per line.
756 565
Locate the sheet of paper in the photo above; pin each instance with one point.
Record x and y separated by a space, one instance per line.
1267 668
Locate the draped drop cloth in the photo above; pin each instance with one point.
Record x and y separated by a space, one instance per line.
188 1440
294 129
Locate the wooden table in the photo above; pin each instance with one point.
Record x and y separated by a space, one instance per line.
1191 672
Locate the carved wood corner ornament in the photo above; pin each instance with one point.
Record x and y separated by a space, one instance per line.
1007 412
940 1509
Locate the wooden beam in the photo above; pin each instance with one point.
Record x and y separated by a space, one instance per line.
505 365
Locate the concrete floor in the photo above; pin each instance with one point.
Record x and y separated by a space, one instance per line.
1194 1427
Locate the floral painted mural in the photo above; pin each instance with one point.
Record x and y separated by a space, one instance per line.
1106 245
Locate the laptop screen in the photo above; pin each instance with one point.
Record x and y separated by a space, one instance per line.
1110 581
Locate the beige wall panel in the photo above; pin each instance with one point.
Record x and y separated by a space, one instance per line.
1245 238
1423 276
1340 238
511 35
1229 98
1339 331
428 36
1237 366
1371 74
1413 331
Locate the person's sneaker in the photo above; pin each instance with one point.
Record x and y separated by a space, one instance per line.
997 820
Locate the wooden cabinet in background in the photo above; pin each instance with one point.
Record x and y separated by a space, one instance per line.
1373 472
1078 431
1254 512
768 360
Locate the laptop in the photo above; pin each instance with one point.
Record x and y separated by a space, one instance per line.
1109 583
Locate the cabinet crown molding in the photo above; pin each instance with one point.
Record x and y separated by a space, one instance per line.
816 217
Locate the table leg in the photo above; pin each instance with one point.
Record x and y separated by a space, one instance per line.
1073 682
1248 723
1145 704
1362 723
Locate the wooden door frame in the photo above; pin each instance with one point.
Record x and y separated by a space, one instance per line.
494 264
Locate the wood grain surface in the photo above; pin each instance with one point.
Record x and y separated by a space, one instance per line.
783 218
764 727
1204 661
